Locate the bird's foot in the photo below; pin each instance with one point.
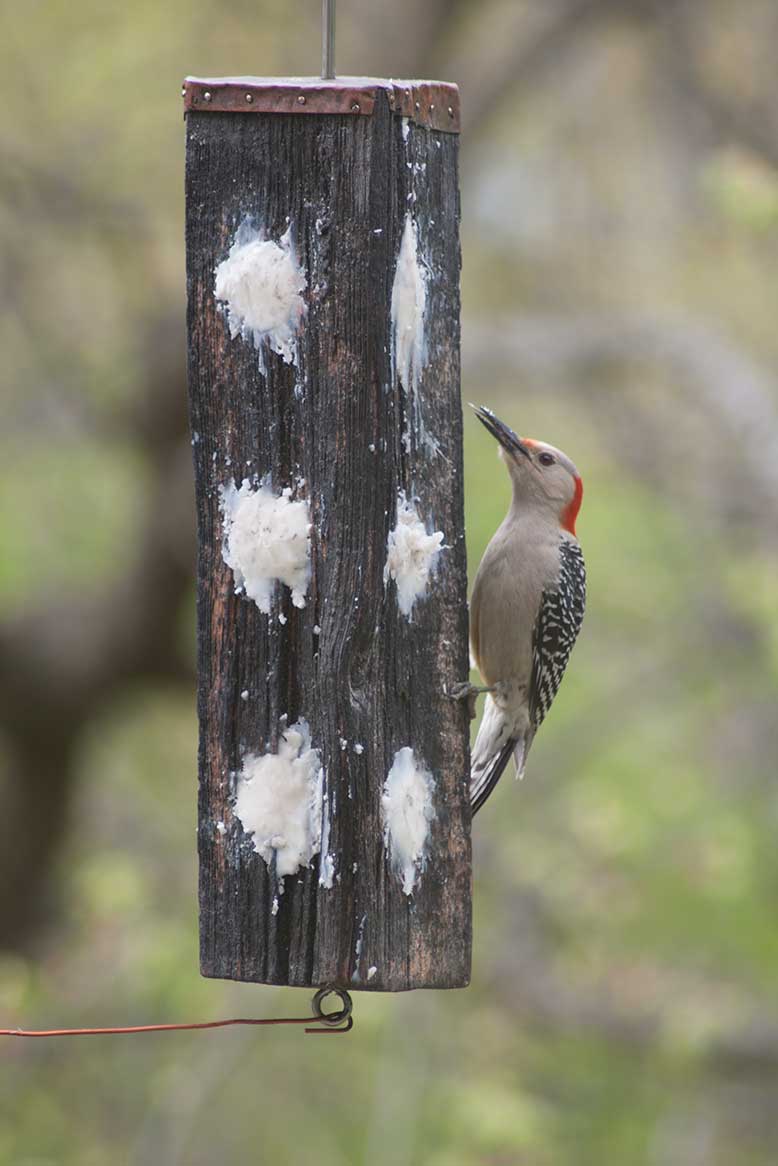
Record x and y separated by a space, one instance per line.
465 689
469 692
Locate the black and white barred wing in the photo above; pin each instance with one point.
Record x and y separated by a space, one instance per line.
556 630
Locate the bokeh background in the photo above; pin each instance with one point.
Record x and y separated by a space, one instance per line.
620 238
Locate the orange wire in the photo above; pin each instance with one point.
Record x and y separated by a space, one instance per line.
26 1032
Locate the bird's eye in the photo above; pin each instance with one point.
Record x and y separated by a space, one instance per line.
546 459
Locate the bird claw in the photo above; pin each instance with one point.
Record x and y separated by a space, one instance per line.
462 690
466 691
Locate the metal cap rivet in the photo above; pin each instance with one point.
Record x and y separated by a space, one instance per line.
301 99
249 97
207 95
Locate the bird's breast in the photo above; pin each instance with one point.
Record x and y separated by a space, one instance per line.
520 562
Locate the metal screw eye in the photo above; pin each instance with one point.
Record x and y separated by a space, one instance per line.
418 105
355 107
450 111
301 100
249 98
207 95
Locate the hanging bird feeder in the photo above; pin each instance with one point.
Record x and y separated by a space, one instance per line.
323 307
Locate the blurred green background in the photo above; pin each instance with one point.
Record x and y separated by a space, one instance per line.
620 238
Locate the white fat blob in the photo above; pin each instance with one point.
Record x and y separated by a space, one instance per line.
408 330
408 810
266 539
260 283
411 555
327 860
409 305
279 801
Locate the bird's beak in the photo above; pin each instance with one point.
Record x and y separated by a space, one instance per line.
502 432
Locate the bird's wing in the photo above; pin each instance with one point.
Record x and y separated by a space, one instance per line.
556 630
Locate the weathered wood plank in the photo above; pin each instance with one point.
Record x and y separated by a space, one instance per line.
343 433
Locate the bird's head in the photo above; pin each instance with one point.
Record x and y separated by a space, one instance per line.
540 473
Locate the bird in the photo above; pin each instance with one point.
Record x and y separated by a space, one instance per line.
527 604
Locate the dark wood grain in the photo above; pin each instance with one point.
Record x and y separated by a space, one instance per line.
371 676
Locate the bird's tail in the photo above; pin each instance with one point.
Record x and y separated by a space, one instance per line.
492 751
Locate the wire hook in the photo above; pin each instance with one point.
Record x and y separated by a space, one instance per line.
330 1022
340 1020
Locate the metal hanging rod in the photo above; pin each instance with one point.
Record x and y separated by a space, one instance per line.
328 39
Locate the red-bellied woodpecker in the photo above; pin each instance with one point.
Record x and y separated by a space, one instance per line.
527 604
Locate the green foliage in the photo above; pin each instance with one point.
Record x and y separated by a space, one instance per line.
744 190
70 510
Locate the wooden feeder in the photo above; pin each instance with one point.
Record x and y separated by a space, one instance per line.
323 308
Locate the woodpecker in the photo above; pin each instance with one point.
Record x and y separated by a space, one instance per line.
527 604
